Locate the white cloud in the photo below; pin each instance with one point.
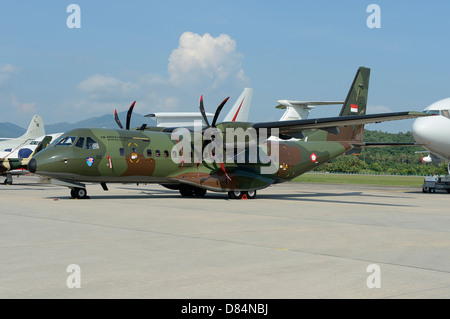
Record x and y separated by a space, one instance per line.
200 65
7 71
106 87
205 61
27 108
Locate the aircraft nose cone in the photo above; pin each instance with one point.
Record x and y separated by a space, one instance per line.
421 130
32 165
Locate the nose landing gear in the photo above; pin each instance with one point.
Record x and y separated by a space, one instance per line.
79 193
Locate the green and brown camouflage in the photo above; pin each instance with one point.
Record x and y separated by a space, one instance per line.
146 156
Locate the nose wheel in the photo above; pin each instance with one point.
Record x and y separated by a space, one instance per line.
79 193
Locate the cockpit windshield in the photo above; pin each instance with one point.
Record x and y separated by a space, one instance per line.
87 143
67 140
445 113
91 144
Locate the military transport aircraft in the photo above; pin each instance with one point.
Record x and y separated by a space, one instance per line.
205 159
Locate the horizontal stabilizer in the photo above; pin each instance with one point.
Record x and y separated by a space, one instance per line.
282 104
299 110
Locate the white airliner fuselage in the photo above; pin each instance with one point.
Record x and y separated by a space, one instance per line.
434 131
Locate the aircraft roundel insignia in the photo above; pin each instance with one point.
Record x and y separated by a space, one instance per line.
313 157
89 161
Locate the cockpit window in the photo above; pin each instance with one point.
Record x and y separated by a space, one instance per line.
67 141
434 112
446 113
91 144
80 142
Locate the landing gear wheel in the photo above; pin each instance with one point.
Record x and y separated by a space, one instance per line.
199 192
186 190
240 194
251 194
236 194
79 193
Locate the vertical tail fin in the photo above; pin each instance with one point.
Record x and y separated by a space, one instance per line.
35 129
355 104
240 109
356 101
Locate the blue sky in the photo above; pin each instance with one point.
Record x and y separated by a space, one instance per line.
166 54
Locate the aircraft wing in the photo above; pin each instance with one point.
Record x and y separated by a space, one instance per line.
287 127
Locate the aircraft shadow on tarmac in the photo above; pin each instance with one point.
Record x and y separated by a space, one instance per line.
304 197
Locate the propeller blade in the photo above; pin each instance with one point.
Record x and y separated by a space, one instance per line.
216 115
202 110
130 110
116 117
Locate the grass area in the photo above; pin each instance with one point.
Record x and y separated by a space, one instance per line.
380 180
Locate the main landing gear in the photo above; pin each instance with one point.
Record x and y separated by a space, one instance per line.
192 191
242 194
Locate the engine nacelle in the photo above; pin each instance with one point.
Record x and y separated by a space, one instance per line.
430 159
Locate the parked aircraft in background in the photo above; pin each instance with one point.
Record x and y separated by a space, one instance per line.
162 157
299 110
15 152
19 147
434 132
11 165
238 113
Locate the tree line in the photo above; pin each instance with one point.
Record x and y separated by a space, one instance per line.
396 160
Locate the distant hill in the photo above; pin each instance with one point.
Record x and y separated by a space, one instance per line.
105 121
11 130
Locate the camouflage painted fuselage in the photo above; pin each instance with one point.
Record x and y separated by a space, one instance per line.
122 156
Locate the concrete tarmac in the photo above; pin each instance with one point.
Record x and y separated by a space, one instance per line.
293 241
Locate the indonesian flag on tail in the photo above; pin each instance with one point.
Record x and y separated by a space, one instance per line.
353 108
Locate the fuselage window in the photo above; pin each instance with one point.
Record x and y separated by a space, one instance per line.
166 153
80 142
91 144
121 151
149 153
158 153
174 154
445 113
67 141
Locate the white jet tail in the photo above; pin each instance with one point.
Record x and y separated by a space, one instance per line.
35 129
240 109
